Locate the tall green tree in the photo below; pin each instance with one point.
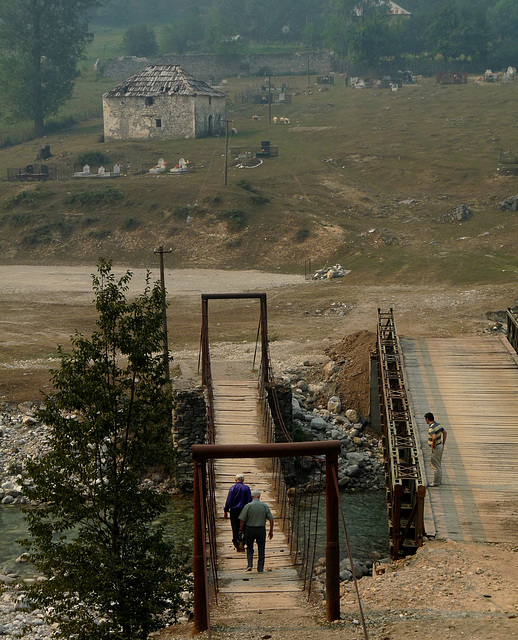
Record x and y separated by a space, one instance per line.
41 42
360 30
185 33
503 24
458 28
140 40
110 574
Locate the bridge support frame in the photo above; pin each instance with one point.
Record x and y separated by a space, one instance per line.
203 452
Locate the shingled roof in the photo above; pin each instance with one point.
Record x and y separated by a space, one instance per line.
163 79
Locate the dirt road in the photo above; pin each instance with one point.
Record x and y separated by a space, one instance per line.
41 306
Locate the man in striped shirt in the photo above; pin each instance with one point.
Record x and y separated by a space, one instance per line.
436 440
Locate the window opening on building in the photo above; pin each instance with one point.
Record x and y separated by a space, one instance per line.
158 122
149 101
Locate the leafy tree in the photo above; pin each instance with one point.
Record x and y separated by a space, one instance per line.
41 42
185 33
140 40
503 25
110 574
360 30
457 29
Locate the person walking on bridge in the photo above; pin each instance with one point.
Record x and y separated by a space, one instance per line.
436 440
253 522
238 495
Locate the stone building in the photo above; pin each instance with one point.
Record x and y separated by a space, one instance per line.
162 102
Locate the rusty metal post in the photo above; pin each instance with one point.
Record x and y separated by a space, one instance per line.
264 340
161 252
333 543
419 525
397 498
198 561
203 452
204 337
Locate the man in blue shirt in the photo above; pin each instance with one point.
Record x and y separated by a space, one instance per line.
238 496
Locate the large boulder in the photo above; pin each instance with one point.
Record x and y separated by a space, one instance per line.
509 204
334 405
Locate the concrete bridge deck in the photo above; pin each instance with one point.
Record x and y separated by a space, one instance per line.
471 385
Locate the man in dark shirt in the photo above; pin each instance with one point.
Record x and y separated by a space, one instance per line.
238 496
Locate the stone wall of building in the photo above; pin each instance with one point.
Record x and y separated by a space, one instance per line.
189 427
209 116
162 118
212 68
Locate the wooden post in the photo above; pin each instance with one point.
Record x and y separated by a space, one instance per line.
333 543
226 150
198 561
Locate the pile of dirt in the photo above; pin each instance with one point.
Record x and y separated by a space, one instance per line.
447 590
352 355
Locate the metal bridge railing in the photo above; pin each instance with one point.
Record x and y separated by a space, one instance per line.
512 328
404 476
299 508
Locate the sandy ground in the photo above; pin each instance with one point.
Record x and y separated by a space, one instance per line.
448 590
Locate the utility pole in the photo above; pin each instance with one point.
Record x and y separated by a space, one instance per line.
269 99
161 252
226 150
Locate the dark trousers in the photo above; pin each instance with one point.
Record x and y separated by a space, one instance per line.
255 534
235 523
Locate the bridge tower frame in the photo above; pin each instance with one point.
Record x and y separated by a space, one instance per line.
203 452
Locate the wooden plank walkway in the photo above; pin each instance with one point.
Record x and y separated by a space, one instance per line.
238 421
471 386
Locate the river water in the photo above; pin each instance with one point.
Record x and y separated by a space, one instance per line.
365 516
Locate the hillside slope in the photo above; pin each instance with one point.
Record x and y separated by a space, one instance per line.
368 178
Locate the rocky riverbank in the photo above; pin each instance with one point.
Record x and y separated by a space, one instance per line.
22 438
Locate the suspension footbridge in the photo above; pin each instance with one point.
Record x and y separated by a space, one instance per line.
238 420
242 437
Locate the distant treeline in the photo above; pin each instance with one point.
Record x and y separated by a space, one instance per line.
475 31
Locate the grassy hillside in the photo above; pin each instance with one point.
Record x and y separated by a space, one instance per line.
368 178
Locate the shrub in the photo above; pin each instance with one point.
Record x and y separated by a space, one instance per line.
41 235
140 40
98 196
180 212
131 223
258 199
27 196
44 233
234 243
264 71
52 126
244 184
302 234
99 234
235 218
93 158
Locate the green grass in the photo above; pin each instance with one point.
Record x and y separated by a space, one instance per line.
368 178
